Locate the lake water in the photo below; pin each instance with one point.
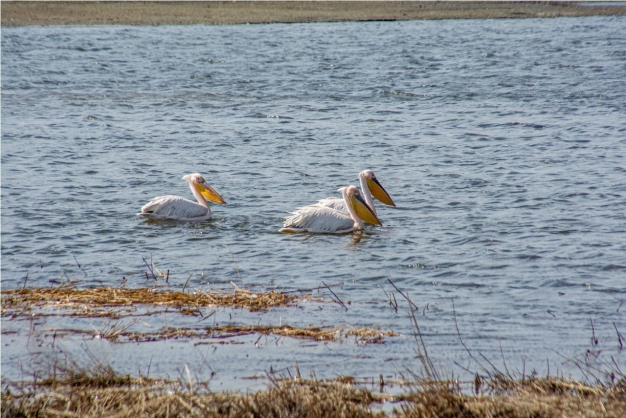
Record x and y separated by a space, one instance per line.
502 143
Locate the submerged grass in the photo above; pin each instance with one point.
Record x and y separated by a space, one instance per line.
119 332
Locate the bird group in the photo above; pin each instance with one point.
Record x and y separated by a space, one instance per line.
331 215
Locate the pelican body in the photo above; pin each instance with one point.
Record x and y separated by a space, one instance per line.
369 186
181 209
323 219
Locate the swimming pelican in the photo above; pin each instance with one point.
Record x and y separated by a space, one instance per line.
369 186
323 219
181 209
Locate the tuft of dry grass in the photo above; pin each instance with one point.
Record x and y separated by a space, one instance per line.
105 297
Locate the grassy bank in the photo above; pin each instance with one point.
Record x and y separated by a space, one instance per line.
25 13
72 392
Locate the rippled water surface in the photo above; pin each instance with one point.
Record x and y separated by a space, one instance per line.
502 143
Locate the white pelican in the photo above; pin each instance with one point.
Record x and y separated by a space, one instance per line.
181 209
369 186
323 219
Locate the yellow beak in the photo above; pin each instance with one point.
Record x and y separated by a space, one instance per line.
379 192
363 211
209 193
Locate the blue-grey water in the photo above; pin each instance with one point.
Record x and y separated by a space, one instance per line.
502 143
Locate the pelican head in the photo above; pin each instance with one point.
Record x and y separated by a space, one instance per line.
377 190
197 181
361 208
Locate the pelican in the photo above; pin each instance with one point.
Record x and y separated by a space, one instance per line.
322 219
181 209
369 186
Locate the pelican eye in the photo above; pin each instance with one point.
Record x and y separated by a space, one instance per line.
200 180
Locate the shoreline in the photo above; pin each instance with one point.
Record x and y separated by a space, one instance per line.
46 13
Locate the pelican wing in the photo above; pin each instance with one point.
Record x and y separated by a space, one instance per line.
173 207
316 218
333 203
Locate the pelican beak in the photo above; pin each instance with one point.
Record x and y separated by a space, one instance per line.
379 192
363 211
208 192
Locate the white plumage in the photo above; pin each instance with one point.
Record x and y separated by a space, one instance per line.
181 209
321 219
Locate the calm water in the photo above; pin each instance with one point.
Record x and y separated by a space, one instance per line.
502 142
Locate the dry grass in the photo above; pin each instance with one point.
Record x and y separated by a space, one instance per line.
88 300
545 397
74 392
99 394
286 400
